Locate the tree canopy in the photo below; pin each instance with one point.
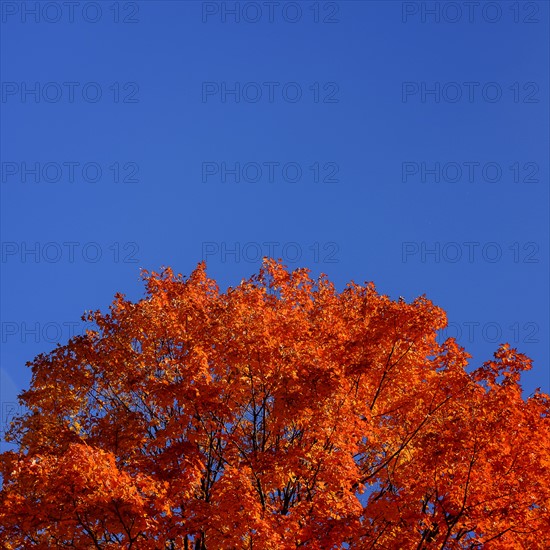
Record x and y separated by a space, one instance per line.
280 414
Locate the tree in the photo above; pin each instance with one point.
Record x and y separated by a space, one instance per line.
280 414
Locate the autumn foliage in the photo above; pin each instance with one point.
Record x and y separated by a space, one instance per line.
280 414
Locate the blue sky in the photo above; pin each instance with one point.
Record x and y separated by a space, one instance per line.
404 143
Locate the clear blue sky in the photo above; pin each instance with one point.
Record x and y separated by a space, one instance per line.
375 141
